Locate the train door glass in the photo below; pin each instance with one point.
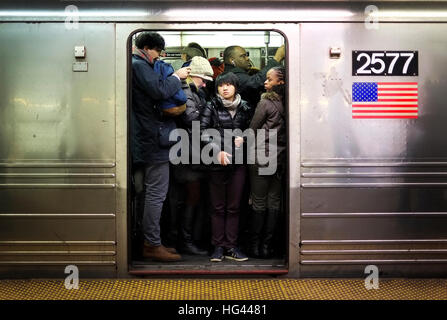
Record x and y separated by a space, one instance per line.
187 214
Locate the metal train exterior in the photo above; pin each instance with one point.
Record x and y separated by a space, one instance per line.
359 191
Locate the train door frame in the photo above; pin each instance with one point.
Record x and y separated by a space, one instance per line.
291 34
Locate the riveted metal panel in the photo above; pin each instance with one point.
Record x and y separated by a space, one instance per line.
57 147
368 184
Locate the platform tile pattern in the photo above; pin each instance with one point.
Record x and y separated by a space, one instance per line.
284 289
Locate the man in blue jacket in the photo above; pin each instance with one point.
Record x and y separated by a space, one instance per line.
150 136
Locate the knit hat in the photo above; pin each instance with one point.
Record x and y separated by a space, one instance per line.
200 67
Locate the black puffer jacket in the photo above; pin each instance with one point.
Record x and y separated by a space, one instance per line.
216 116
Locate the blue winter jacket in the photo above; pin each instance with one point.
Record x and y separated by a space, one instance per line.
149 129
179 98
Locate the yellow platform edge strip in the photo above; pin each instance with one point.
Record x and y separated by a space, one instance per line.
288 289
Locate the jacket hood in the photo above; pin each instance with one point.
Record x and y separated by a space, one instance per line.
271 95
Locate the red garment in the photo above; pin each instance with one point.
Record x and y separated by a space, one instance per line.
217 68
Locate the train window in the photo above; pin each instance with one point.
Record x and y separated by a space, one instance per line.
218 218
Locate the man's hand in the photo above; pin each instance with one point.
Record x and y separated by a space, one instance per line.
183 73
280 53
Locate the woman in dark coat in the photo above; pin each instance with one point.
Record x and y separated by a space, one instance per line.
226 182
266 189
185 174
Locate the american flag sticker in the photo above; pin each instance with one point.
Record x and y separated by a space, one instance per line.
384 100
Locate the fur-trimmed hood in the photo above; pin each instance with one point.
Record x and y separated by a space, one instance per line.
271 95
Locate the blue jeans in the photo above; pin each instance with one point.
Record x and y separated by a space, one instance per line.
156 180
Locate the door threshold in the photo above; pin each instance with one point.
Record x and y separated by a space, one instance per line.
136 272
197 265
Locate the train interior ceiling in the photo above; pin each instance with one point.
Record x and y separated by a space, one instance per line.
256 43
215 42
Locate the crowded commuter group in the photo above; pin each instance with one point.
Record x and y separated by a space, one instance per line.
206 94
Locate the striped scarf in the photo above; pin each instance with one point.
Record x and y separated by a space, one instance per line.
143 54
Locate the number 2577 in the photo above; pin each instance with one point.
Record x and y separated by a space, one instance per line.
385 63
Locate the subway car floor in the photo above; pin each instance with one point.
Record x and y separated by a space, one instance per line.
201 264
228 289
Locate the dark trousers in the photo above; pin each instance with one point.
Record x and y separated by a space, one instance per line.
226 190
265 190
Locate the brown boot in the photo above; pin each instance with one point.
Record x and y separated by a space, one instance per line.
170 250
159 253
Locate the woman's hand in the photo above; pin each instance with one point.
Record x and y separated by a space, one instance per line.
224 158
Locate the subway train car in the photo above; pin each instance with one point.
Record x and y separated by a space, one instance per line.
366 180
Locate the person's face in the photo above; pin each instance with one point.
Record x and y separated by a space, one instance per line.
272 80
240 58
227 91
199 82
154 53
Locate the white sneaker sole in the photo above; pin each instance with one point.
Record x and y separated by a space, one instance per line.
240 259
216 259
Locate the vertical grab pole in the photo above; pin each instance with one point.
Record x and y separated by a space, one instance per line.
266 41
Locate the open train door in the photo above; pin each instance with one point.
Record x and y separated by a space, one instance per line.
211 36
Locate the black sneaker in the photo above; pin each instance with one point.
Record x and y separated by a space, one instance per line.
235 254
217 255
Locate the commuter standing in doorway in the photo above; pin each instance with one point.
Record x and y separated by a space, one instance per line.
201 72
226 182
150 130
266 189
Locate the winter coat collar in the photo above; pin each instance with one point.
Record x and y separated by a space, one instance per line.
271 95
143 55
218 103
189 84
231 105
231 68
